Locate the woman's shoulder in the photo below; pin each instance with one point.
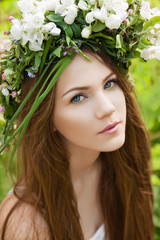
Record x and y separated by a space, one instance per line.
24 222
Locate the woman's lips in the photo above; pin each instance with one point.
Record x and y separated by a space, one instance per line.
111 128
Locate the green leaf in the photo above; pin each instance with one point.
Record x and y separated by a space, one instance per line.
81 21
69 32
61 65
151 22
68 40
57 51
143 43
138 27
132 20
95 48
118 41
46 50
17 52
24 102
38 59
137 54
9 111
55 17
63 25
76 30
98 26
97 35
79 50
8 72
2 60
108 50
7 100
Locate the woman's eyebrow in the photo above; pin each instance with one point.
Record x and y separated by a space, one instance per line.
87 87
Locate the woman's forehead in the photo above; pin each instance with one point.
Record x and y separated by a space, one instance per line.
82 72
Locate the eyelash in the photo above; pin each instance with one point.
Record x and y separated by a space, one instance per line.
83 95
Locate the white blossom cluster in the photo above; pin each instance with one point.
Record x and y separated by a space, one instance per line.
110 12
153 51
32 27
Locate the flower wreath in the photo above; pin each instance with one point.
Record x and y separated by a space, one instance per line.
51 29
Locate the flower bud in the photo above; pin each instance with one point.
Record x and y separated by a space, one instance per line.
86 32
130 11
2 109
14 94
7 149
3 76
65 53
2 49
5 33
11 18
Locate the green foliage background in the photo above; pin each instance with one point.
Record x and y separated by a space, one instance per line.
147 81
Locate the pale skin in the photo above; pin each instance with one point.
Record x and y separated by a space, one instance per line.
79 122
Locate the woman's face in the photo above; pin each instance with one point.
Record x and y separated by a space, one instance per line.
88 99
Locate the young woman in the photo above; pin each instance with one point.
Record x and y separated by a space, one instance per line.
83 150
85 160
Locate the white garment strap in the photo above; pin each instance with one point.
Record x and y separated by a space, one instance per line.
100 234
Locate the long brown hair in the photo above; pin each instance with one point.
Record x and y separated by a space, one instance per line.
125 187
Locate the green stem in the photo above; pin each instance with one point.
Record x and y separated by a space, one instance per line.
64 63
25 101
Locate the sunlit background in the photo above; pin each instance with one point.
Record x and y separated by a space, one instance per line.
147 81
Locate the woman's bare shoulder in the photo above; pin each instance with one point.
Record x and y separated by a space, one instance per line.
24 222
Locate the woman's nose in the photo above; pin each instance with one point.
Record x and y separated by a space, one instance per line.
104 106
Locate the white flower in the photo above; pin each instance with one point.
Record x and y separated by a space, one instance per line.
32 21
26 5
24 38
119 5
51 4
5 92
48 27
151 52
40 6
108 4
83 5
67 2
70 15
145 10
34 46
16 29
123 15
33 36
7 44
155 12
55 31
151 39
86 32
101 14
113 21
92 2
157 26
90 17
52 29
68 10
157 41
38 19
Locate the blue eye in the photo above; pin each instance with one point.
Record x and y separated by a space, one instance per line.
77 98
110 83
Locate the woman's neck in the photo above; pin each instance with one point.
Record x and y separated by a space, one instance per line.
86 187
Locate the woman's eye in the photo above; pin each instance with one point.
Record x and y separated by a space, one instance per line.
78 98
110 84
